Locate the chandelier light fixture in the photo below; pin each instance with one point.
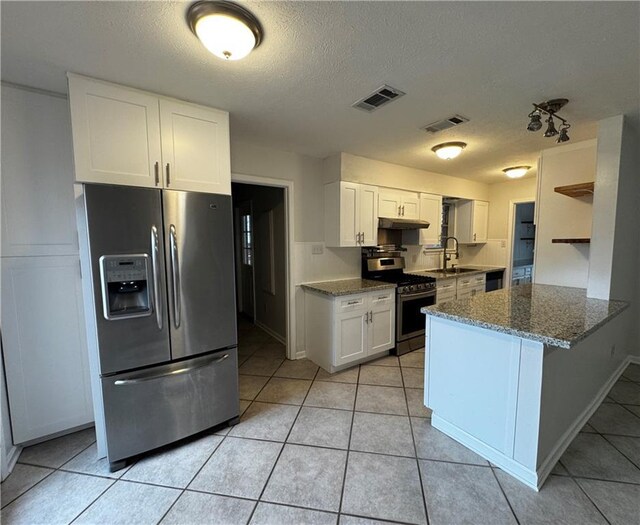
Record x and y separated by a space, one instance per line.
227 30
550 108
449 150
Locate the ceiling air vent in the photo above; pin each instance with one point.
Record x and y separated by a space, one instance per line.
447 123
381 96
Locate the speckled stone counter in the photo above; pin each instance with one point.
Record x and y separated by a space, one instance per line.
554 315
346 286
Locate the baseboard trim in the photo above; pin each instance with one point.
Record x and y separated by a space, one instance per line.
301 355
12 459
273 334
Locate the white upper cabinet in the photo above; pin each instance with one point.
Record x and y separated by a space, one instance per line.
398 204
351 214
38 213
431 211
116 133
472 221
130 137
195 148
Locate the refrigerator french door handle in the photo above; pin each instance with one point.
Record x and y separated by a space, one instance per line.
175 275
156 276
147 376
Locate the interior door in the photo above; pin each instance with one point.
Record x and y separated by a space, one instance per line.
195 148
121 221
201 282
245 258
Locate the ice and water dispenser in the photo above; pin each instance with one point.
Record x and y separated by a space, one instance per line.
125 286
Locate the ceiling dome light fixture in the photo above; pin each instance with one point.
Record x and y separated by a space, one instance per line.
449 150
516 172
227 30
550 108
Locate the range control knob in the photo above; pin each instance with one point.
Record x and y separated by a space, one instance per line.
411 288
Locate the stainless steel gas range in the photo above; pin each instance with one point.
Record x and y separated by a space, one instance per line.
413 292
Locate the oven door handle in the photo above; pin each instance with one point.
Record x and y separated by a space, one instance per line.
416 295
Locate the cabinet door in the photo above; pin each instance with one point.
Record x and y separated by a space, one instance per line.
410 206
349 213
382 322
389 203
195 148
351 336
431 211
480 221
369 214
38 209
44 345
116 133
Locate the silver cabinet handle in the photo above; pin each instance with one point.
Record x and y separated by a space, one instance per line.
474 236
175 274
157 300
399 211
150 376
353 302
362 238
168 175
403 210
371 316
366 317
156 170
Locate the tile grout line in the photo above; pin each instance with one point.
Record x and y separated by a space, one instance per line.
284 443
53 471
515 516
413 440
589 498
184 489
346 462
604 436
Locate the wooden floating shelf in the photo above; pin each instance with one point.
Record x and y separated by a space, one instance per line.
570 241
576 190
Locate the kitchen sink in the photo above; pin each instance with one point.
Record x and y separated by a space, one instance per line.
454 271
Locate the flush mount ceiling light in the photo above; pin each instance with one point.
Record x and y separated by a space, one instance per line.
516 171
227 30
550 108
449 150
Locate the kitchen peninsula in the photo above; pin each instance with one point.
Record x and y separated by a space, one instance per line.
515 374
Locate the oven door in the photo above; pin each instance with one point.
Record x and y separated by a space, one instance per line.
410 322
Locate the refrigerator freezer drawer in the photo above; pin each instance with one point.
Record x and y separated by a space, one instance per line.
150 408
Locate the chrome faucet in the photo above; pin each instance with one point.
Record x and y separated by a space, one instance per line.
447 256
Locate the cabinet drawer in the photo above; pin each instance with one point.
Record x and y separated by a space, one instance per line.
443 297
383 297
479 279
350 303
465 282
465 293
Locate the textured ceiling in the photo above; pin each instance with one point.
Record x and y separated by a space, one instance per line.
487 61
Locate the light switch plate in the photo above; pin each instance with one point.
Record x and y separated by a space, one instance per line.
317 249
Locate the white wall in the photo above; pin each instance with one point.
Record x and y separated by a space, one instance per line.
368 171
559 216
500 196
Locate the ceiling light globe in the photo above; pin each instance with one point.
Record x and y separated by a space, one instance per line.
227 30
516 172
449 150
226 37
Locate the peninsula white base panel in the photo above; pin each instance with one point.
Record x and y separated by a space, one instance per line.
518 403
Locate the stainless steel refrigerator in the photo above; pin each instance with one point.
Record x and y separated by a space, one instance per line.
160 305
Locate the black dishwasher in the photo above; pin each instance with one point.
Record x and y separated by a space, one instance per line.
494 280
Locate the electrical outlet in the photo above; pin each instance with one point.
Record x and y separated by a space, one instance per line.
317 249
613 350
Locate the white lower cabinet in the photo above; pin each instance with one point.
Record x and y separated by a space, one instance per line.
44 347
340 330
460 287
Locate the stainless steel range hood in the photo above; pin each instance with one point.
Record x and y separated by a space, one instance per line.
401 224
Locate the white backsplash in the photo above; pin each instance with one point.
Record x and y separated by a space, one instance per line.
416 258
493 253
332 263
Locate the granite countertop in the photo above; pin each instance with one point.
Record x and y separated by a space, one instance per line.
477 270
553 315
347 286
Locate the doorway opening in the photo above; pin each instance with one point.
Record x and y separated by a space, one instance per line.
523 237
261 249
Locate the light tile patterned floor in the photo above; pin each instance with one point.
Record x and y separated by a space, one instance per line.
355 447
